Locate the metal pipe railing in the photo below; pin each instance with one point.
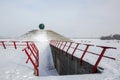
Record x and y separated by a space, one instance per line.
56 43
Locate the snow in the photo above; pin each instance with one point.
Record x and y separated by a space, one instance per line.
46 62
13 66
111 67
12 61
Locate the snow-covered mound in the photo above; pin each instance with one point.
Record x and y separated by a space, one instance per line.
43 35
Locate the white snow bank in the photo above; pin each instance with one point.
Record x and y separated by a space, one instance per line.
46 67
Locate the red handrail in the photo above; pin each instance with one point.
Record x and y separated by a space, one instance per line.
31 47
52 42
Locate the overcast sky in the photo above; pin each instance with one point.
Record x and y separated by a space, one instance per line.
71 18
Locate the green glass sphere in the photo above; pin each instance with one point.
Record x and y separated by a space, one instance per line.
41 26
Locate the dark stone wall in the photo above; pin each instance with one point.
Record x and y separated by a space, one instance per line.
67 66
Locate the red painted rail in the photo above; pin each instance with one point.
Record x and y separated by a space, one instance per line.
14 43
30 49
33 55
64 44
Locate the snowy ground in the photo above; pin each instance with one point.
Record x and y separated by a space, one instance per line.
13 66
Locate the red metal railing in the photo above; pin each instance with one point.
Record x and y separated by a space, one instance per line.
30 49
14 43
33 55
56 44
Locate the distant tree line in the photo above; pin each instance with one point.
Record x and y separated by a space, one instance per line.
111 37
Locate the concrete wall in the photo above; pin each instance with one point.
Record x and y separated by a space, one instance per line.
66 66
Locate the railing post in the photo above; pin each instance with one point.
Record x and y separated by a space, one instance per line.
87 46
100 57
74 50
64 46
68 47
58 44
14 43
27 42
3 43
61 45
